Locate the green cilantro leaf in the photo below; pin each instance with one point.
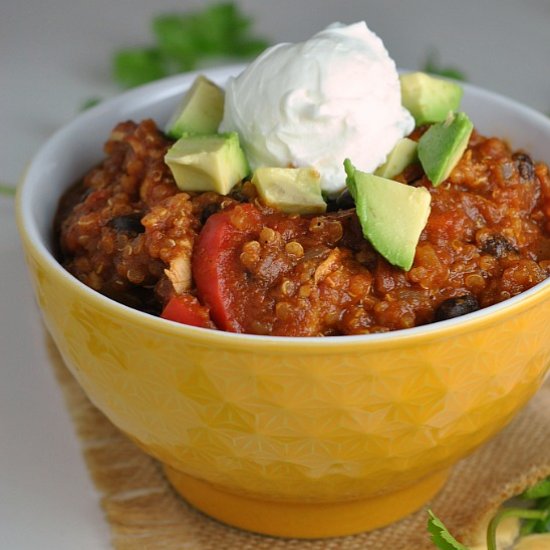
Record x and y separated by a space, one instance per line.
433 66
183 41
226 28
532 526
7 190
539 495
540 490
249 48
441 536
89 103
177 41
136 66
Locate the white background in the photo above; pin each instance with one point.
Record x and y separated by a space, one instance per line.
54 54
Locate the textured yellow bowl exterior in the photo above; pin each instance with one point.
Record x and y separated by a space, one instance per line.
292 421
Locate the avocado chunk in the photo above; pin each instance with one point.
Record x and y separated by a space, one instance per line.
427 98
392 214
207 163
442 146
291 190
402 155
200 110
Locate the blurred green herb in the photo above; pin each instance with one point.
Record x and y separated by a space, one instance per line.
540 495
433 66
538 491
535 519
89 103
183 41
7 190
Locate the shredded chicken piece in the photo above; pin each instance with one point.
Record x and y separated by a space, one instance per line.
179 273
327 266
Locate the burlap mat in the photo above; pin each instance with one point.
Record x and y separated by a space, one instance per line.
144 512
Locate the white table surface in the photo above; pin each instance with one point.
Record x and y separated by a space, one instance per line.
54 54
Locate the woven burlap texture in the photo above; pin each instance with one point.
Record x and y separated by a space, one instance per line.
145 513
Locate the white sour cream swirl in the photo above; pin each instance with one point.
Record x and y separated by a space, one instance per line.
318 102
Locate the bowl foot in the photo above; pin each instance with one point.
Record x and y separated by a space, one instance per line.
304 520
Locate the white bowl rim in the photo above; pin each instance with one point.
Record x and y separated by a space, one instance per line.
165 88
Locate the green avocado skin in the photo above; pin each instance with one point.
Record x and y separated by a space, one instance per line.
442 146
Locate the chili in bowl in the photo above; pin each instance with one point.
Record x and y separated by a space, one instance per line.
315 418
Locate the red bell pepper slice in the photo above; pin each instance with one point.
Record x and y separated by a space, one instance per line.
216 267
187 310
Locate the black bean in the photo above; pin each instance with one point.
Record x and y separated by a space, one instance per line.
238 194
498 246
208 210
455 307
130 223
332 205
345 200
137 297
413 174
525 166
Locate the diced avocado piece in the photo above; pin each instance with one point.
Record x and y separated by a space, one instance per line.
200 110
291 190
403 154
392 214
207 163
442 146
429 99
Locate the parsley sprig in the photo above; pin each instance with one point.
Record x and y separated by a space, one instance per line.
535 519
433 66
184 40
539 495
440 534
7 190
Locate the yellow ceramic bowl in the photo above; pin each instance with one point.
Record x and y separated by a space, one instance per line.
287 436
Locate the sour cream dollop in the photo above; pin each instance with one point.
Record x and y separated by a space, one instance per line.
318 102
